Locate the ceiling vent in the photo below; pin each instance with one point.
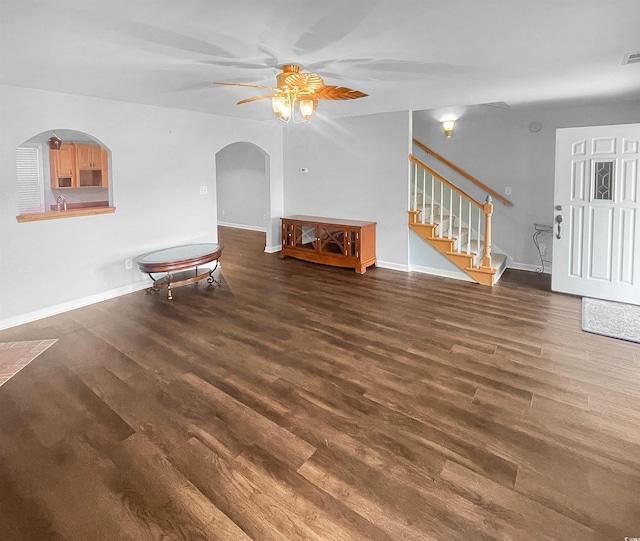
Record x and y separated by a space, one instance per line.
631 58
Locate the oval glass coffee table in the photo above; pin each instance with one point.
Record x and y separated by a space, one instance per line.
179 265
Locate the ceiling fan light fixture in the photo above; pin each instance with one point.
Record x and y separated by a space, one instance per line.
307 108
295 87
279 104
281 108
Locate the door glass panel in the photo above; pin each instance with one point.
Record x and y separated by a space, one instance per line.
332 241
304 237
603 181
353 244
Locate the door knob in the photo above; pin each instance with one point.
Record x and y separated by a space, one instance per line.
559 222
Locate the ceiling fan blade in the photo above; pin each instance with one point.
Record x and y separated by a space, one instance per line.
338 93
255 98
245 85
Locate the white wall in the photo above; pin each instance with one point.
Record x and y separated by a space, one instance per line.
242 186
357 169
496 146
159 159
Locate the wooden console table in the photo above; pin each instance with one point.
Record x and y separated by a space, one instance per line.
341 243
172 264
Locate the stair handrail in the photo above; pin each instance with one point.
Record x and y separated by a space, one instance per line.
462 172
445 181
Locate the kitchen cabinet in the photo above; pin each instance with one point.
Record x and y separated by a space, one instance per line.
89 156
79 165
92 165
340 243
64 173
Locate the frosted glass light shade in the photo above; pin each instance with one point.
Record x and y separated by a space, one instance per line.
307 108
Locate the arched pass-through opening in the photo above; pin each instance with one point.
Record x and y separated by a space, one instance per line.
242 187
76 170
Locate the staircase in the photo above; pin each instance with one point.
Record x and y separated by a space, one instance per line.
454 223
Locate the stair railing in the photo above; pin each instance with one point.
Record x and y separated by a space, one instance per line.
463 173
439 202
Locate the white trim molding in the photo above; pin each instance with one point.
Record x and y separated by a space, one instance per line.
272 249
392 266
72 305
241 226
528 267
456 275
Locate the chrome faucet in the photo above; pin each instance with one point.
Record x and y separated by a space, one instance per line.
61 203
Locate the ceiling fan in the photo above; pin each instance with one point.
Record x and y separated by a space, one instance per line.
295 86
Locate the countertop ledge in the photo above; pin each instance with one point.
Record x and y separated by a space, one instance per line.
71 213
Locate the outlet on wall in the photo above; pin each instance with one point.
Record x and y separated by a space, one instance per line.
204 190
507 190
128 264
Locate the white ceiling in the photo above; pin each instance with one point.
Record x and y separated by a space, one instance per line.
406 54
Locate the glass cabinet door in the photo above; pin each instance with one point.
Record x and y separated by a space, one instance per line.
332 240
304 237
353 244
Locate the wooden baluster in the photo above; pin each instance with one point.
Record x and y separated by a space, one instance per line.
469 226
459 222
488 211
415 187
478 236
424 193
441 209
433 182
450 212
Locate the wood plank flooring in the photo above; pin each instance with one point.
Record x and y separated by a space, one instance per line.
303 402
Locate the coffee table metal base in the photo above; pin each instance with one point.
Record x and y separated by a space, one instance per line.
180 266
176 279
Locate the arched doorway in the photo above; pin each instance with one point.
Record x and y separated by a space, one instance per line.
242 187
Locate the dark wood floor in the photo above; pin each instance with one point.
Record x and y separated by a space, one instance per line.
301 402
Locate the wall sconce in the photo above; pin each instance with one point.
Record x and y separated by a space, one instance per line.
447 126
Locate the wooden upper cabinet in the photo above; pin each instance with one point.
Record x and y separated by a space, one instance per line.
64 173
79 165
89 156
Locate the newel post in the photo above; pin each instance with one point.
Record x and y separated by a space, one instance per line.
488 211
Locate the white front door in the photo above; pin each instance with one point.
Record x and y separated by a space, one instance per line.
596 244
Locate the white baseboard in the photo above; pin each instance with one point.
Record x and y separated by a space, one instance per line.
272 249
392 266
247 227
456 275
528 267
71 305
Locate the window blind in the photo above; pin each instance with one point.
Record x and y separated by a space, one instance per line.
30 194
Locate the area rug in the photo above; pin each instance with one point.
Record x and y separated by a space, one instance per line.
614 319
14 356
